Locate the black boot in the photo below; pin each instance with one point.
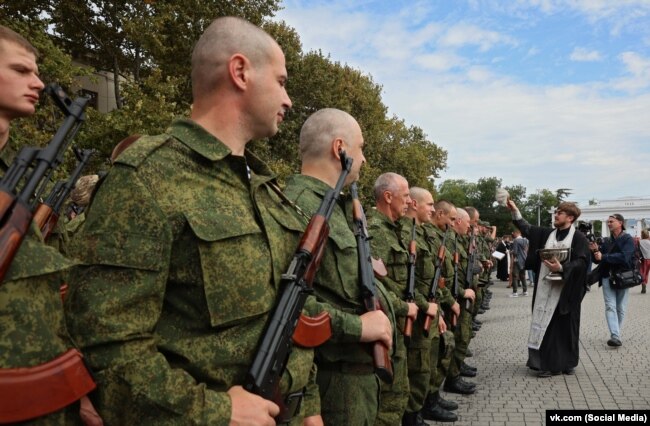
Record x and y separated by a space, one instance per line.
469 366
456 385
447 405
413 419
439 414
643 288
467 372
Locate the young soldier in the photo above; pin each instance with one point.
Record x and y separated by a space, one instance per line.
33 337
348 387
186 244
442 346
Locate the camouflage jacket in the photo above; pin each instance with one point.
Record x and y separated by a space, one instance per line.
424 268
185 245
336 285
433 237
386 244
32 326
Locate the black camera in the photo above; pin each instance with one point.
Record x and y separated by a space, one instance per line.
587 229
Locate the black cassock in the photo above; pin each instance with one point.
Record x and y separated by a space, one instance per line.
502 264
559 350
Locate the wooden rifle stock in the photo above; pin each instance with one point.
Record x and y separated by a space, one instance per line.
368 269
30 392
276 342
12 234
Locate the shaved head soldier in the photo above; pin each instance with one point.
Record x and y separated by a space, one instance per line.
186 242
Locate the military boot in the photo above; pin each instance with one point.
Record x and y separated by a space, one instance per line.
456 385
413 419
434 399
437 413
467 372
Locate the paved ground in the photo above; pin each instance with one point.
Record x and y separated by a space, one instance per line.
606 378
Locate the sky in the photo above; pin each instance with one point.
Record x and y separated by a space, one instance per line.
542 93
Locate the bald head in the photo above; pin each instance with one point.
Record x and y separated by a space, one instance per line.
321 128
419 194
444 206
224 38
387 182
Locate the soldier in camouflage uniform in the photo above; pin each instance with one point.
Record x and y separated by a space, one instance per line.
348 387
419 349
463 330
392 199
32 326
435 407
185 243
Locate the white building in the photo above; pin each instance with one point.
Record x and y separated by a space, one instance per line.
636 212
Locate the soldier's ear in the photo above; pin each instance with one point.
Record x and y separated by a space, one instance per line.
239 68
337 146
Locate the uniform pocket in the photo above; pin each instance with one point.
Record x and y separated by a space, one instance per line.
235 263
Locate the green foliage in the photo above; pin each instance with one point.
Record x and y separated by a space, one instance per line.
149 45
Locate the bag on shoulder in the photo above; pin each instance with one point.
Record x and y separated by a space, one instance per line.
626 278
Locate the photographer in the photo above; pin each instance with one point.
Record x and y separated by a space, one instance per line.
614 254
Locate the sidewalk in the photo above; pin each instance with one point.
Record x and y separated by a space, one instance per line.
606 378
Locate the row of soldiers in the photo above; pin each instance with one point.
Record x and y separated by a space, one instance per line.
177 267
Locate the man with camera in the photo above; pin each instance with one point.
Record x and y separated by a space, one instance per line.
614 254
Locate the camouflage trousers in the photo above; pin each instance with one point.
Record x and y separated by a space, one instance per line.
394 398
441 358
348 397
419 363
463 335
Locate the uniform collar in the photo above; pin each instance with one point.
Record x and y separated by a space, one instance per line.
205 144
311 183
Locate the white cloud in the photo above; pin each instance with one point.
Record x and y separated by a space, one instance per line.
639 69
540 136
464 34
580 54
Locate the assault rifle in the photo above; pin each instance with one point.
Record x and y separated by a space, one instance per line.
17 207
437 280
380 355
410 283
275 345
47 213
471 260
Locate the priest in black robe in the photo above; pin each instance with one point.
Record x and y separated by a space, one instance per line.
558 352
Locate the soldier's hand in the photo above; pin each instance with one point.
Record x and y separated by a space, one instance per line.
88 414
442 325
249 409
455 308
375 326
432 310
511 205
413 310
313 421
469 294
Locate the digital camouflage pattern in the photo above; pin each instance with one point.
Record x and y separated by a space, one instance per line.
463 330
419 349
184 255
442 349
386 244
348 387
32 325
